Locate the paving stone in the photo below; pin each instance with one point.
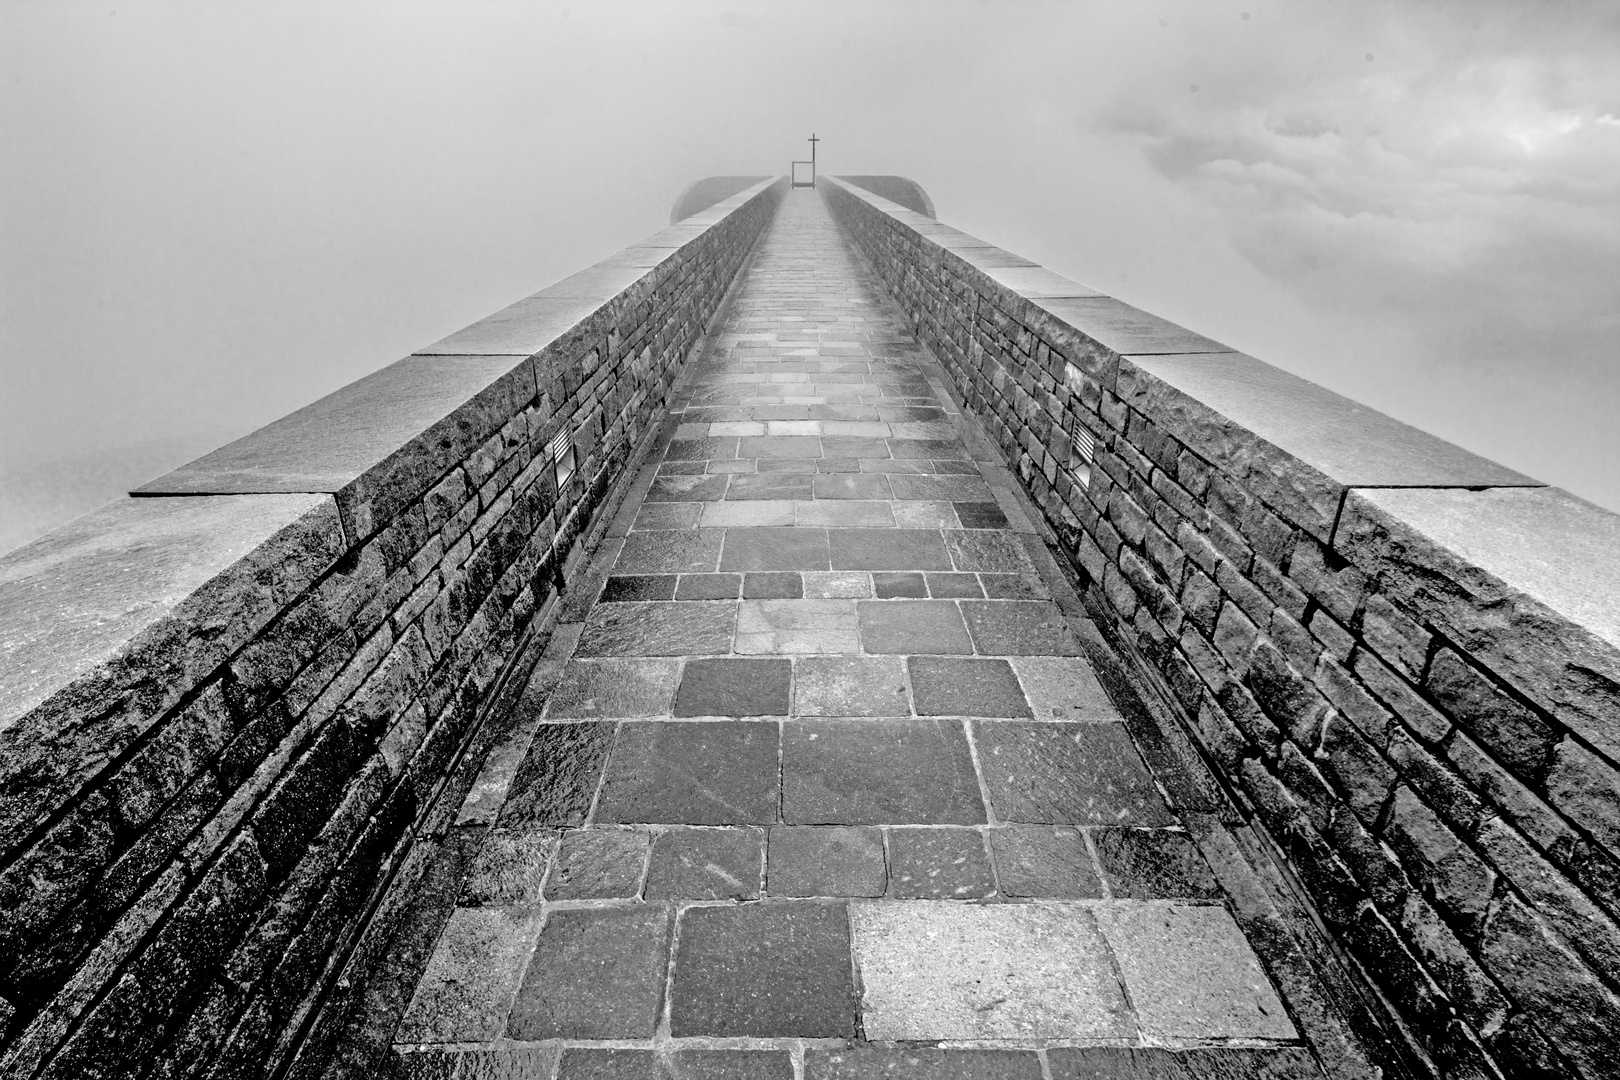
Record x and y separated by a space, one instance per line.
933 971
1063 688
919 1063
775 549
1066 774
887 549
844 513
850 686
558 777
735 512
890 586
802 466
727 687
686 489
655 516
777 970
773 585
853 446
779 484
598 864
621 588
670 552
981 515
602 688
607 1063
837 584
984 551
705 864
518 1063
796 626
659 628
948 586
1043 861
465 991
878 772
913 626
925 515
938 864
1015 587
1019 628
936 488
704 773
1190 973
809 860
1210 1063
958 686
780 446
1154 864
597 973
700 449
708 587
510 867
853 486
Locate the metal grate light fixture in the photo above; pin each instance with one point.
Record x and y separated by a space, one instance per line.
1084 451
562 455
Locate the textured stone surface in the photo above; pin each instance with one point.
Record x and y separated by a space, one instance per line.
559 775
850 686
723 687
1191 974
596 974
467 989
510 867
913 626
875 772
1126 1063
938 864
516 1064
1014 971
764 971
1153 864
958 686
613 688
1066 774
825 861
1019 628
920 1063
797 626
1043 861
697 773
1063 688
706 864
598 864
669 628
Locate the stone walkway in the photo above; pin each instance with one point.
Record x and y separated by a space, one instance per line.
826 787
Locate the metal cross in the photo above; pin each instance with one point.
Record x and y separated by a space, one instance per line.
813 141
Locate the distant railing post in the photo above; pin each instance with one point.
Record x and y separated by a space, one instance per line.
811 163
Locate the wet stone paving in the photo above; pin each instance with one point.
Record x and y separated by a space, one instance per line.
821 783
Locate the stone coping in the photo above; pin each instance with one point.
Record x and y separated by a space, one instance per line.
1521 571
121 611
381 441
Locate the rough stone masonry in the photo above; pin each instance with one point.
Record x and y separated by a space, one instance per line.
930 668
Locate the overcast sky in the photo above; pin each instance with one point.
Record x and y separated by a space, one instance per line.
211 214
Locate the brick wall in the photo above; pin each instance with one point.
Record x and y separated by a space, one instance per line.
1403 660
229 707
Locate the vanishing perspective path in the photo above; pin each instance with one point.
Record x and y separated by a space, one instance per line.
820 782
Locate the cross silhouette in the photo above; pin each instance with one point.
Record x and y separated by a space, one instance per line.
813 141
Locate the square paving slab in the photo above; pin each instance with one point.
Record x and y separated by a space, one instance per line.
1009 971
878 772
700 773
764 971
596 974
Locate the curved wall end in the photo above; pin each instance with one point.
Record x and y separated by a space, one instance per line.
699 195
898 189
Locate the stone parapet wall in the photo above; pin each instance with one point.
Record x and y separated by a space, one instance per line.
230 706
1403 660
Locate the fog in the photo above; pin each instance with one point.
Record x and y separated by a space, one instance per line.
213 214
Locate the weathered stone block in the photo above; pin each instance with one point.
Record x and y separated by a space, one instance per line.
1447 868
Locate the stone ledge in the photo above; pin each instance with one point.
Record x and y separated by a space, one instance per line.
1525 579
112 619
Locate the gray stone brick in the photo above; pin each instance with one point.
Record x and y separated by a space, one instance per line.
1587 789
1518 737
1460 881
1356 767
1424 719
